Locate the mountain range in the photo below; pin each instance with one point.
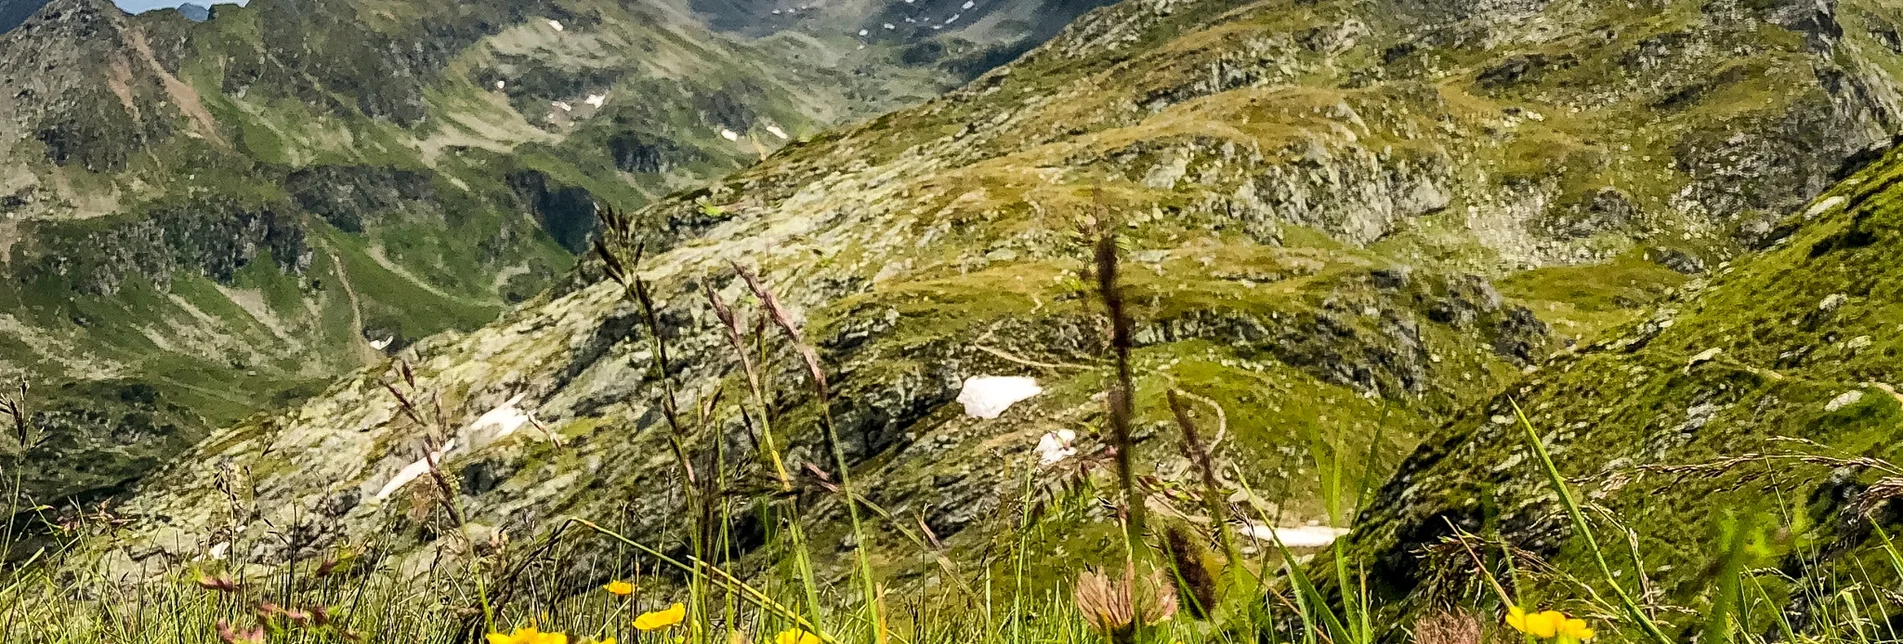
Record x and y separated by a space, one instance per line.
1352 230
205 219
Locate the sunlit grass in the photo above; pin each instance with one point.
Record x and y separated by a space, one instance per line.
1173 578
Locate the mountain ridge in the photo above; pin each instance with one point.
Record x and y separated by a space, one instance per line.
230 213
1317 199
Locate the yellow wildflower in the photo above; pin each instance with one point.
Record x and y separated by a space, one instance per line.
618 587
796 636
661 618
1575 630
1548 625
527 636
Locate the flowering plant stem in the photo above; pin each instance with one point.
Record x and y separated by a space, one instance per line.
1558 482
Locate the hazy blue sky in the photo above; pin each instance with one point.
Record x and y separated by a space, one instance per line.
135 6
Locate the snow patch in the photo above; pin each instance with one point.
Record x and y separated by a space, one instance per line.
1056 446
1823 207
413 471
505 420
989 396
1297 537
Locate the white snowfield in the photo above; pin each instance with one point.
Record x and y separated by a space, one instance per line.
1312 536
989 396
506 419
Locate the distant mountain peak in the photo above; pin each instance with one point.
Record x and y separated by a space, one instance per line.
195 12
67 14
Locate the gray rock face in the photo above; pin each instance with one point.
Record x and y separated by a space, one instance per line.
194 12
964 37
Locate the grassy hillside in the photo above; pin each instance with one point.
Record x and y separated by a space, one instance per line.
1341 226
1754 404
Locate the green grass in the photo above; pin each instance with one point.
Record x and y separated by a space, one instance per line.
553 583
1584 301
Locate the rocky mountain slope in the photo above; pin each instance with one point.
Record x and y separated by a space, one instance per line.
1338 216
1762 395
219 217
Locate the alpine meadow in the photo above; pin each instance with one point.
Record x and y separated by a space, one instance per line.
951 322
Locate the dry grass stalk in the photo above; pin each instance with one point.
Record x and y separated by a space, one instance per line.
785 322
874 599
1199 454
1874 497
730 324
445 490
15 408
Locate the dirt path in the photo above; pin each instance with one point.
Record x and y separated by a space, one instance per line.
366 354
376 253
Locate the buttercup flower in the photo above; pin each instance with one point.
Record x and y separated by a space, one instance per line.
1575 630
661 618
1549 625
527 636
796 636
620 588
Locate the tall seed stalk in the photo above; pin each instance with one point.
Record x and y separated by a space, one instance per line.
679 436
875 614
1122 403
802 556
